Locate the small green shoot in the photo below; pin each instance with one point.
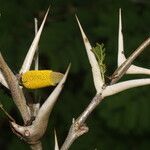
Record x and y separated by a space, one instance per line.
99 52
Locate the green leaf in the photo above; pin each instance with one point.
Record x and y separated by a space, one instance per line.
99 52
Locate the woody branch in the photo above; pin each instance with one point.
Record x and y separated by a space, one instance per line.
78 126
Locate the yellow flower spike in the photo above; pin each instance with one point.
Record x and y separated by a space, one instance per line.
36 79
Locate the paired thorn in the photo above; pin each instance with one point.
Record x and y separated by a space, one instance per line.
121 57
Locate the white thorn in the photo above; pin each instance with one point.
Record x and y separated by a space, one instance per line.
119 87
29 57
138 70
98 82
47 106
3 81
73 120
56 141
121 57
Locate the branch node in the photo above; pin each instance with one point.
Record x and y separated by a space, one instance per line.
80 129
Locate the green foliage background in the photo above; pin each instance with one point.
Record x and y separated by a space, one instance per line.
122 121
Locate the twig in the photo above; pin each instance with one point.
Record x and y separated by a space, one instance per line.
33 133
10 118
16 91
36 105
78 127
37 49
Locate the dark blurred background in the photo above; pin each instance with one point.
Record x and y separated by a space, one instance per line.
122 121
